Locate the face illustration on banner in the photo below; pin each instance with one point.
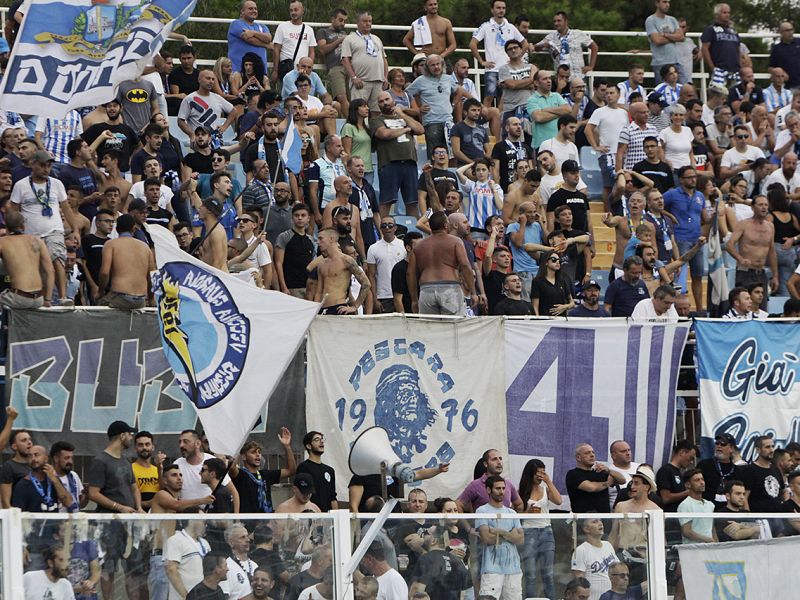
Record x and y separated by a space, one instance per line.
402 406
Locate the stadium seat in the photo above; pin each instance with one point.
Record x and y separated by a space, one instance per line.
339 124
410 223
590 159
594 181
775 304
601 276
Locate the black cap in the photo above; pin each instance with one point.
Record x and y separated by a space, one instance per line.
304 482
656 98
213 205
591 283
726 438
118 428
137 204
570 165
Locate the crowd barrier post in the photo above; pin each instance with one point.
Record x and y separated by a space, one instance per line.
656 555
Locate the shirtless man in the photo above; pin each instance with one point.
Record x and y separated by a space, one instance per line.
630 535
112 177
127 263
752 248
333 287
525 192
443 265
434 27
344 186
624 227
167 499
214 247
655 274
25 258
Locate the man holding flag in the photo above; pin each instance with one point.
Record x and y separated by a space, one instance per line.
268 149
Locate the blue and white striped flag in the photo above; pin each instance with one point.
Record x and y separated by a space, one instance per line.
292 148
74 53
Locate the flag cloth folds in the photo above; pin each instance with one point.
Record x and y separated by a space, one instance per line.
292 148
74 53
228 342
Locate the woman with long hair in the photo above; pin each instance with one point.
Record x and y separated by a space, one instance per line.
537 492
397 89
787 229
223 70
309 154
551 292
252 76
356 137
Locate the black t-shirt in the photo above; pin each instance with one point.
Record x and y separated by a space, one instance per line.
398 535
585 502
716 475
300 582
247 485
202 592
669 478
368 232
765 486
659 173
444 575
158 216
199 163
324 483
92 246
550 294
400 283
372 487
577 201
493 287
790 506
572 264
81 177
124 143
438 175
140 157
26 498
472 139
507 306
721 524
623 297
13 472
506 154
186 82
299 251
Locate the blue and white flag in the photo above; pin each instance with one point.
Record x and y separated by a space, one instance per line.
749 372
71 54
228 342
292 148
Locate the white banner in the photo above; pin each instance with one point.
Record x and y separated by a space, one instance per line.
749 374
748 570
435 386
593 381
74 53
227 341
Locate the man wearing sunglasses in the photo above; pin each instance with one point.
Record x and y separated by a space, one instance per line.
261 258
382 256
739 158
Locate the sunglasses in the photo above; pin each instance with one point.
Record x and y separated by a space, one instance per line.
387 225
742 137
554 259
723 444
240 221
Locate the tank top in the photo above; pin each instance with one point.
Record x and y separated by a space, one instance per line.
544 505
783 230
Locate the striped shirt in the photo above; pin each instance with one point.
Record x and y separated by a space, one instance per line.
626 89
633 136
775 100
480 202
57 133
669 94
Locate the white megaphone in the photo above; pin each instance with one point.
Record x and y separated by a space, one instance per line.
372 454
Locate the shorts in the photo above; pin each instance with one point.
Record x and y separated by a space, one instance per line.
337 82
387 304
332 310
369 92
122 301
398 176
490 86
437 134
441 298
697 264
606 162
55 246
501 587
725 78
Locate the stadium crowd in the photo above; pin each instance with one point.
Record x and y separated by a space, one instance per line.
491 191
489 556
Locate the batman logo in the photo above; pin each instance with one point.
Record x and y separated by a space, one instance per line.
137 96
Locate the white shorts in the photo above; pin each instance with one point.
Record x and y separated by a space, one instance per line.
501 587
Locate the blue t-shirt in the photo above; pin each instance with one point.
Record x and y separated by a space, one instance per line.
582 311
502 558
623 297
228 220
632 593
289 86
237 47
522 260
436 94
687 210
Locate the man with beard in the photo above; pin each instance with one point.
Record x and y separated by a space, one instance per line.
655 273
41 490
266 148
147 474
254 483
124 141
215 571
476 494
199 161
61 457
51 582
627 291
15 469
191 463
344 187
590 307
719 469
324 477
763 480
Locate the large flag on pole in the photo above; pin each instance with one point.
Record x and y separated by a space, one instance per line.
227 341
74 53
292 148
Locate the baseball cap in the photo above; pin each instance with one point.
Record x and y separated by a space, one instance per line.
656 98
726 438
591 283
118 428
570 165
304 482
137 204
213 205
42 156
419 57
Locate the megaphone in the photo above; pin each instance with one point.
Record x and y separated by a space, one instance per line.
372 454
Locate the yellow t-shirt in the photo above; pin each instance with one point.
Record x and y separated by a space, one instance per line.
146 480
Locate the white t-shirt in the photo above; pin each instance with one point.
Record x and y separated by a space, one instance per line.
310 593
494 37
609 122
37 586
188 553
392 586
31 208
164 197
287 35
708 115
777 176
676 146
732 157
645 311
237 585
561 152
192 488
385 255
594 562
260 257
780 120
312 103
